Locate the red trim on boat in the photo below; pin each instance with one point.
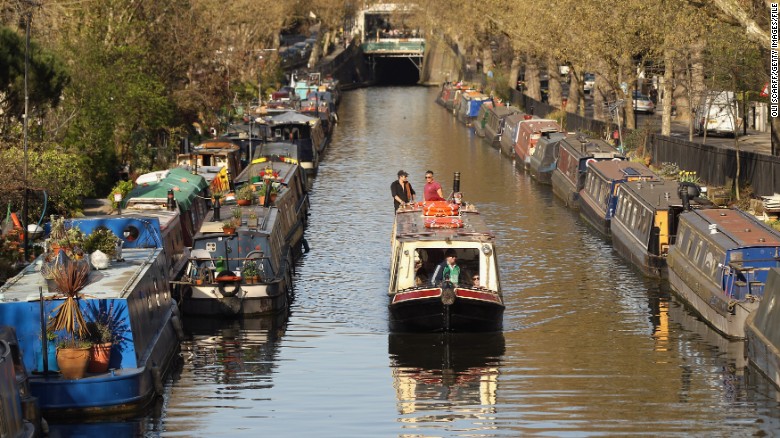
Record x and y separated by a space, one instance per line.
477 295
416 295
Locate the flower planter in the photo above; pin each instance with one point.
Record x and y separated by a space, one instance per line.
73 362
228 230
100 356
244 202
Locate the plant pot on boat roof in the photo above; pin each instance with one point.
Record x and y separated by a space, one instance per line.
245 194
228 227
70 240
73 351
268 189
103 328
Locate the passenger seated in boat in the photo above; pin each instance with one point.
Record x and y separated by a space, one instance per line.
475 281
447 270
420 273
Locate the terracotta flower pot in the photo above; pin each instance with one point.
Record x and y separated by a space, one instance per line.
101 354
73 362
244 202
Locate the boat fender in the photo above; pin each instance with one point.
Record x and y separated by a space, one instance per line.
305 245
178 327
157 379
447 294
228 288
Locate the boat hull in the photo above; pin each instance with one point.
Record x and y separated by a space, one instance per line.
635 252
565 190
446 310
258 299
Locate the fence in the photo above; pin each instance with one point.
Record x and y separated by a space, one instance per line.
715 165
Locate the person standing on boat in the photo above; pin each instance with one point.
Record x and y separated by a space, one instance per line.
402 190
432 189
448 270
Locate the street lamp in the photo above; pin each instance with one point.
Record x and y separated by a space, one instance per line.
260 75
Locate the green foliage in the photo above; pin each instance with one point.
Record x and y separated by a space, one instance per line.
250 269
246 192
101 239
46 75
123 187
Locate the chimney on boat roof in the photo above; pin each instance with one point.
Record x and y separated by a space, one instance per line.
216 217
456 183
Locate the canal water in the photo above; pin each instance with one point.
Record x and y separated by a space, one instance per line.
590 347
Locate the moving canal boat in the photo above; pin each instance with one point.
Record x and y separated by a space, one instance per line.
425 293
762 330
241 264
129 296
598 198
645 223
720 263
574 156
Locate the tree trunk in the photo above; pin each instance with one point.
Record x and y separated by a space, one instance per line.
555 89
576 99
667 93
514 70
532 85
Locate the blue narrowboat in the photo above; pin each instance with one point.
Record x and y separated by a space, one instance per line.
574 157
720 263
598 197
132 291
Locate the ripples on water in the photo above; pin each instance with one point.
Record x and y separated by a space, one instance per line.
590 347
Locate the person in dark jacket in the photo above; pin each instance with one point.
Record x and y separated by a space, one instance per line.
448 270
402 190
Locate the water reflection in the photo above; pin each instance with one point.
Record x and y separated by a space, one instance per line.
446 378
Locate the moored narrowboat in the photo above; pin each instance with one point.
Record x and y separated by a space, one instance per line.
132 293
644 225
529 131
762 330
469 105
480 122
544 158
510 133
496 122
719 265
242 257
303 130
598 196
444 274
574 156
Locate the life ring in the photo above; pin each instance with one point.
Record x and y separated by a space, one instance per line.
440 208
590 162
228 278
443 222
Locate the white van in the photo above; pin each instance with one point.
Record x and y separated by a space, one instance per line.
718 113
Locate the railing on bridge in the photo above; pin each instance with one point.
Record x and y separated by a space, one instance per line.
405 47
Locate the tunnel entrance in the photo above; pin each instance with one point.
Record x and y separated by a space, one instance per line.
395 71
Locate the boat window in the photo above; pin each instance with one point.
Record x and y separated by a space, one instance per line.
634 216
689 244
697 253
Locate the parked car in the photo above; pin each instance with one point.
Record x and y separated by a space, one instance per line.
643 104
588 82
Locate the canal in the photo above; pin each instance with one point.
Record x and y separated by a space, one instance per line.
590 348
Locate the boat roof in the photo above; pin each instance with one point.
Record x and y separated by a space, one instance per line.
623 171
659 194
214 146
291 117
740 228
116 281
504 111
410 226
540 125
285 170
185 185
591 147
266 217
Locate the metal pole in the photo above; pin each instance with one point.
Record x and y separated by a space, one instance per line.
26 117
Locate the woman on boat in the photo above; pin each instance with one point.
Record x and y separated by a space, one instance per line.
402 190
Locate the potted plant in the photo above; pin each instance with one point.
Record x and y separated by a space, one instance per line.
250 272
268 189
252 219
73 351
103 240
228 227
102 339
245 194
236 213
